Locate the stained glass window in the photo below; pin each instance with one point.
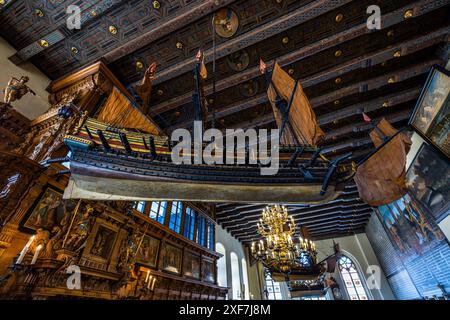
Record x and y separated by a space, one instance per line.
175 216
158 211
273 289
201 230
210 233
139 206
189 223
350 276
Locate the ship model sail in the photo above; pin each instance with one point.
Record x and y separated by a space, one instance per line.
381 176
114 159
291 108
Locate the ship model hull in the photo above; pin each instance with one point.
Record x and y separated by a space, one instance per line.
99 176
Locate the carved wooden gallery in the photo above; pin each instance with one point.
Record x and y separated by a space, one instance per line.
231 149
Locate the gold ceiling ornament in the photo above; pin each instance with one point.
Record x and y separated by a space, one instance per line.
278 1
391 80
390 33
2 2
278 252
226 22
93 13
211 101
386 104
335 121
338 53
337 102
338 80
177 114
38 12
160 92
43 43
291 71
179 45
285 40
113 29
139 65
397 54
409 14
156 5
74 50
339 17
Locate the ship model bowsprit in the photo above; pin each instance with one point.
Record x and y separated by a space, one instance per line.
109 162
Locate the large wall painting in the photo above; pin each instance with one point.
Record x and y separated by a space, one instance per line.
428 182
48 211
411 222
171 257
147 253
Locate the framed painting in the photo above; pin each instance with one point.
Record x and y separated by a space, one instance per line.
208 270
171 257
103 242
411 230
191 265
431 116
47 211
147 253
427 181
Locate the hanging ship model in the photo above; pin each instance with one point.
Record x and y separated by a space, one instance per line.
115 160
108 162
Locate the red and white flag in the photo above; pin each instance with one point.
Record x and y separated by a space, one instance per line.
366 118
262 66
199 55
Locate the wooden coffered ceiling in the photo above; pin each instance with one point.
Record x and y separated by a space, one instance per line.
344 67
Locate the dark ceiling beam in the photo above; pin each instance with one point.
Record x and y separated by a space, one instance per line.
245 226
318 237
298 214
364 127
173 22
375 83
407 47
345 198
347 146
369 106
231 213
255 123
238 216
305 217
337 226
325 229
296 17
310 224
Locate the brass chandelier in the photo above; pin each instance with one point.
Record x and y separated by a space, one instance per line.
279 252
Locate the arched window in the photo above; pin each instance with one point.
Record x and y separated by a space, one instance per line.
222 266
273 289
350 276
245 276
235 277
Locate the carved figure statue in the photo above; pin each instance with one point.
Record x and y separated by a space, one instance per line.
16 89
145 88
80 231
